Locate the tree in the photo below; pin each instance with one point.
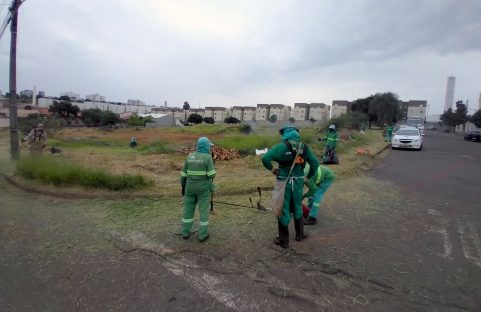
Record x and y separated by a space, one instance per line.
64 109
461 113
362 105
108 118
351 120
209 120
64 98
476 118
292 120
91 116
231 120
138 121
273 118
195 118
186 106
385 106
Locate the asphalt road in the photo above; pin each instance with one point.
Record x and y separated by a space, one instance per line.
445 180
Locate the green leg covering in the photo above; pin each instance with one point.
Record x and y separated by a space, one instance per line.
190 201
204 207
292 201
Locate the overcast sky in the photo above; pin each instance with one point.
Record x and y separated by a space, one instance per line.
227 53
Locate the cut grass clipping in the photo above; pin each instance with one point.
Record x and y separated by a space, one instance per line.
60 172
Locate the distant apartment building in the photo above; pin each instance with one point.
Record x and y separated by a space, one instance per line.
95 98
249 113
300 111
281 111
71 95
319 111
41 94
238 112
479 107
135 102
218 113
340 107
198 111
262 112
104 106
26 93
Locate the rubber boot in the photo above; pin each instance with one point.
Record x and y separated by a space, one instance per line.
283 238
299 226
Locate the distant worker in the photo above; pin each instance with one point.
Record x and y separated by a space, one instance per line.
284 154
133 142
317 185
196 181
37 139
330 156
389 131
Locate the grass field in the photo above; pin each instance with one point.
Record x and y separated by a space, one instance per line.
157 158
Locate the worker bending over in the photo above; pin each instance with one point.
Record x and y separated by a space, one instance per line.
318 185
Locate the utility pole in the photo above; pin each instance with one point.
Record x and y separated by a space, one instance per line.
14 150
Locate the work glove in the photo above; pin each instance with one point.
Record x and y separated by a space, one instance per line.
183 190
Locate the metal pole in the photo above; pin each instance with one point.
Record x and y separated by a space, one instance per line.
14 150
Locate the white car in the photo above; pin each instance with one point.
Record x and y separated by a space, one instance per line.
407 137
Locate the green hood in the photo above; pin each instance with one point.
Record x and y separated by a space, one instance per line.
204 145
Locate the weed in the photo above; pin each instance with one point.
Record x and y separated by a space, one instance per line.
60 172
157 147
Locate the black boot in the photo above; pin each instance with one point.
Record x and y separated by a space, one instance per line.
310 221
283 238
299 225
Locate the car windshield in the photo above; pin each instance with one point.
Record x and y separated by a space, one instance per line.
407 132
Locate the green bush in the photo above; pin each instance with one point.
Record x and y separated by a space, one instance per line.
157 147
59 172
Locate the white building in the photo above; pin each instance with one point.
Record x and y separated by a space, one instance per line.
282 112
238 112
479 101
249 113
218 113
113 107
135 102
198 111
339 108
300 111
262 112
319 111
449 101
95 98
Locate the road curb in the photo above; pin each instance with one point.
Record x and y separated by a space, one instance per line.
381 150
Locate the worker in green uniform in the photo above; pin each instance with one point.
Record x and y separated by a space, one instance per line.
331 143
317 185
389 131
284 154
196 180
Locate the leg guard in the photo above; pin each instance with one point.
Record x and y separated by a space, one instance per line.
299 225
283 238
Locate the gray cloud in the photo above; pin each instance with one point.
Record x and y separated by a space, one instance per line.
231 53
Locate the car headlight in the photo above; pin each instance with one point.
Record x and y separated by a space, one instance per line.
415 141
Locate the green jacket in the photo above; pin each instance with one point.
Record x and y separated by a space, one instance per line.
322 174
198 167
281 154
331 139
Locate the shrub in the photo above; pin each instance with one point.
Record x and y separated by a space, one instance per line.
60 172
231 120
195 119
209 120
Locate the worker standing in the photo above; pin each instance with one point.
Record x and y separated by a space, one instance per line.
37 139
317 185
389 131
284 154
331 143
196 181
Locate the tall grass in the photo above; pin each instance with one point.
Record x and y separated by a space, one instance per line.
157 147
60 172
206 129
